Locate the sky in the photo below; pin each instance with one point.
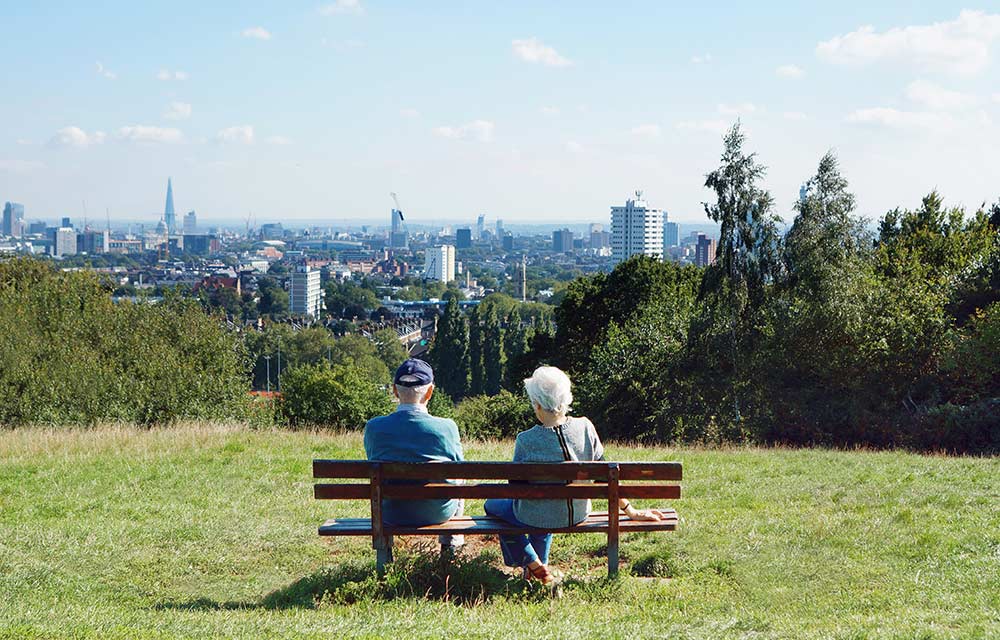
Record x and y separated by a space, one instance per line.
525 111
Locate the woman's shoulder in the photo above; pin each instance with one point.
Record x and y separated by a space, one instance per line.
529 433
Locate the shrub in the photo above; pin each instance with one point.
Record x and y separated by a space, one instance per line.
339 396
501 416
966 429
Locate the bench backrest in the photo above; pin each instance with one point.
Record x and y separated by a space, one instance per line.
575 480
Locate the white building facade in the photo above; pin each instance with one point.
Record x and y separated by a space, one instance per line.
636 229
305 295
439 263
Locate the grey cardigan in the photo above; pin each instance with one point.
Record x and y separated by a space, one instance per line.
574 440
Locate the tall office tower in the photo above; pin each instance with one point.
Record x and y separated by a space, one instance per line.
398 238
636 229
499 228
63 241
671 234
480 226
190 223
439 263
463 238
562 241
704 251
13 220
305 294
168 210
508 241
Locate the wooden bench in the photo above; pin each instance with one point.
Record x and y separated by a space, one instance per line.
605 480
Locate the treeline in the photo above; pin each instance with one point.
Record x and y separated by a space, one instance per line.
830 334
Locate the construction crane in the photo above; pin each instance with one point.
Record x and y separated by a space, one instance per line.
398 208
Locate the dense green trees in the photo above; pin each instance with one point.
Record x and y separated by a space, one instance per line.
340 396
70 355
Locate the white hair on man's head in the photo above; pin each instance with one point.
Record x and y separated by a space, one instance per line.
549 388
412 395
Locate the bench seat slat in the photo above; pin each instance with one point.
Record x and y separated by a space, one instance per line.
483 491
498 470
486 525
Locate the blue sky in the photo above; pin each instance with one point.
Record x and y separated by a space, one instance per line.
316 111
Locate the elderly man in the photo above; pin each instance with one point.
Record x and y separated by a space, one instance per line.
411 434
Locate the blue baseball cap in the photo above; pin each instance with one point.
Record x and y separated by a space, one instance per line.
413 373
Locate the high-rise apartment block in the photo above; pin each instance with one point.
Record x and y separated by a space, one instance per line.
671 234
94 242
63 242
439 263
562 241
190 223
463 238
704 251
13 220
636 229
305 295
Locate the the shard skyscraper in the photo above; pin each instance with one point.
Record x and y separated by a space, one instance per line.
169 218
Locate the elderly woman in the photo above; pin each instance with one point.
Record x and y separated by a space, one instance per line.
558 437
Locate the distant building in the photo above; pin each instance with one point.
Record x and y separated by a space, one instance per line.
595 227
704 252
190 223
439 263
671 234
562 241
463 238
200 244
272 231
38 227
508 241
480 226
599 239
93 242
636 229
13 220
66 222
398 238
168 210
63 241
499 228
305 295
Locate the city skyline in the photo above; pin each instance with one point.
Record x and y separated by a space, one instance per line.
307 113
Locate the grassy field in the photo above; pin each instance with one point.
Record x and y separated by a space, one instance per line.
210 532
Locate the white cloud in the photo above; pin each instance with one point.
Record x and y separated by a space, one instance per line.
177 111
21 166
938 98
409 113
737 109
897 119
958 46
702 59
794 115
707 126
107 73
76 137
574 147
145 133
647 130
278 140
166 74
533 50
549 111
478 130
342 7
790 71
259 33
242 134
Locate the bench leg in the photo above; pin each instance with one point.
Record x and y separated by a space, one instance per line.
612 556
383 554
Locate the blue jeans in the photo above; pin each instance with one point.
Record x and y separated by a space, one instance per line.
518 550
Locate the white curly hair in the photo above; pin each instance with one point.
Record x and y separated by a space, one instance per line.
549 388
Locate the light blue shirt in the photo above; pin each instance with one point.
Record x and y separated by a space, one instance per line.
411 434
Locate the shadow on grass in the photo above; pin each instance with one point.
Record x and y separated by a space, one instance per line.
464 580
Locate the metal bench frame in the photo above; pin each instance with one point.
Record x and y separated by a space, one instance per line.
430 480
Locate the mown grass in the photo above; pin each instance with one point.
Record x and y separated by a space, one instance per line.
210 532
